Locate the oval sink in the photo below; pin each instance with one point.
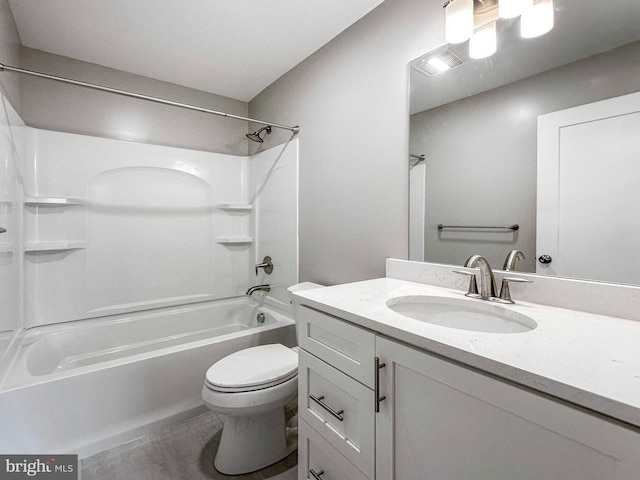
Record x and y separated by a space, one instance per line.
462 314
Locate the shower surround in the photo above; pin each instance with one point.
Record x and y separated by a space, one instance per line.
113 226
115 233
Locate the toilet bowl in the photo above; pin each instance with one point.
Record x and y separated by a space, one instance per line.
251 388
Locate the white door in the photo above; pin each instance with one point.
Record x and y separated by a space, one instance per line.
589 191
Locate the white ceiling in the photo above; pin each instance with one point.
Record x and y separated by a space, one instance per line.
234 48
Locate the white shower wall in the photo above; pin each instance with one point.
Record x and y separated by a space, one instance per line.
12 140
113 226
274 187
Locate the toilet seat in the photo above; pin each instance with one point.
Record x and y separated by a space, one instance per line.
254 368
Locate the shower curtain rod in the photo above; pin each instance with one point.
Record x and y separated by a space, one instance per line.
140 96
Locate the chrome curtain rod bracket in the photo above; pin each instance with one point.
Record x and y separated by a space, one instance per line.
512 228
140 96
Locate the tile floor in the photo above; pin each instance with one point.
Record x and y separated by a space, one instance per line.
183 451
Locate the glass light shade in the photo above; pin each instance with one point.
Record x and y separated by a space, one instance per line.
484 42
513 8
459 21
537 19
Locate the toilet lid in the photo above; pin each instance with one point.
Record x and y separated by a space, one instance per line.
253 368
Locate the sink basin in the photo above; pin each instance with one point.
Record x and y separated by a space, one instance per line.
463 314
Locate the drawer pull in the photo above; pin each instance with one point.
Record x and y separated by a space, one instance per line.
319 401
376 386
316 475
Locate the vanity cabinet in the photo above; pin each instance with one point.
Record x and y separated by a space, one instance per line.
439 420
444 421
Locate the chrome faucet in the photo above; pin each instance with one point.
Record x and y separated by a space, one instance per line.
510 261
262 288
487 281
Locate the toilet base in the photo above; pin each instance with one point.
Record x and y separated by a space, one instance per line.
250 443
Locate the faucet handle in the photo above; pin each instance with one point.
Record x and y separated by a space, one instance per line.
267 265
473 284
505 293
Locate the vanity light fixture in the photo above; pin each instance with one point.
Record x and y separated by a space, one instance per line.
537 20
475 20
459 20
513 8
484 41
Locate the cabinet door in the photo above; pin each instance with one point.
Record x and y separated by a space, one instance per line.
442 421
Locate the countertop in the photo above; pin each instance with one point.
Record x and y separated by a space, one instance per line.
586 359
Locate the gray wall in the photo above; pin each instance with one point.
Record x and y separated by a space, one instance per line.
350 100
56 106
9 55
481 154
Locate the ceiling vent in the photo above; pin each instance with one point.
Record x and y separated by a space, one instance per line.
437 61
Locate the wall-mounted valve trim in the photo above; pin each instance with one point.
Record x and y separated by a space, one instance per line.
266 265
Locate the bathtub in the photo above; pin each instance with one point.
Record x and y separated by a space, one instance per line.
89 385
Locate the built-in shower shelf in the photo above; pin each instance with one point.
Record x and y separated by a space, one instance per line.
53 201
236 207
54 246
234 240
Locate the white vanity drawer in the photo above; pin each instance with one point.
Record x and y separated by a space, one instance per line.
339 408
348 348
317 456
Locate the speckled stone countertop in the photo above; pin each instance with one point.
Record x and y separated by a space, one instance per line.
583 358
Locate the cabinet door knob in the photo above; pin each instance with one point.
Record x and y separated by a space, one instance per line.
315 474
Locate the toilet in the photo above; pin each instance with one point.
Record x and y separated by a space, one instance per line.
251 388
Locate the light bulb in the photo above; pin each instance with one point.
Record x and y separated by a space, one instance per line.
483 42
537 19
459 21
513 8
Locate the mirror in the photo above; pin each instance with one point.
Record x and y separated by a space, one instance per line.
476 128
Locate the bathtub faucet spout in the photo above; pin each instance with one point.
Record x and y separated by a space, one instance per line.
263 288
